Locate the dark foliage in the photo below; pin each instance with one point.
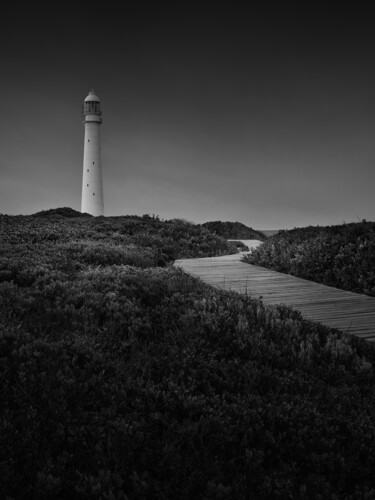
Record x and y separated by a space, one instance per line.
233 230
134 382
341 256
167 240
61 212
240 245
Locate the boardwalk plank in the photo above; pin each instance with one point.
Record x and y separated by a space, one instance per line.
346 311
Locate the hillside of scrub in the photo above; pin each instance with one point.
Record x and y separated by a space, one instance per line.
122 379
341 256
111 240
233 230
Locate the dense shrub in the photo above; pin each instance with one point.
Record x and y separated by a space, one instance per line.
61 212
240 245
120 381
340 256
168 240
233 230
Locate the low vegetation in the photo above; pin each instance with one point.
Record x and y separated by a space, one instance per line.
165 241
240 245
341 256
233 230
123 378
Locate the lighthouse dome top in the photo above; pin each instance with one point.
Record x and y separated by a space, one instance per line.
92 96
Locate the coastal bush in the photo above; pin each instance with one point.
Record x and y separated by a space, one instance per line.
131 382
240 245
169 240
233 230
340 256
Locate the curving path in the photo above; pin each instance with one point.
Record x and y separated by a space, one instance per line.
347 311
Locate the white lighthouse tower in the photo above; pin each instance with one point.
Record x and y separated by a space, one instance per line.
92 184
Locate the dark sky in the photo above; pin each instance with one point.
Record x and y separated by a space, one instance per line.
261 116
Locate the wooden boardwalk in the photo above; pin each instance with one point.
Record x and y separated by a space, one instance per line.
347 311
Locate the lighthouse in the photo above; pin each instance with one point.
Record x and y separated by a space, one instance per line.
92 184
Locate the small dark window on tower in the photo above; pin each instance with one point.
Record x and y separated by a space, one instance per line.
88 170
93 194
93 163
88 140
87 185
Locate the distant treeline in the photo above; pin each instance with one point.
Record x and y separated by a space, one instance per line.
342 256
233 230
